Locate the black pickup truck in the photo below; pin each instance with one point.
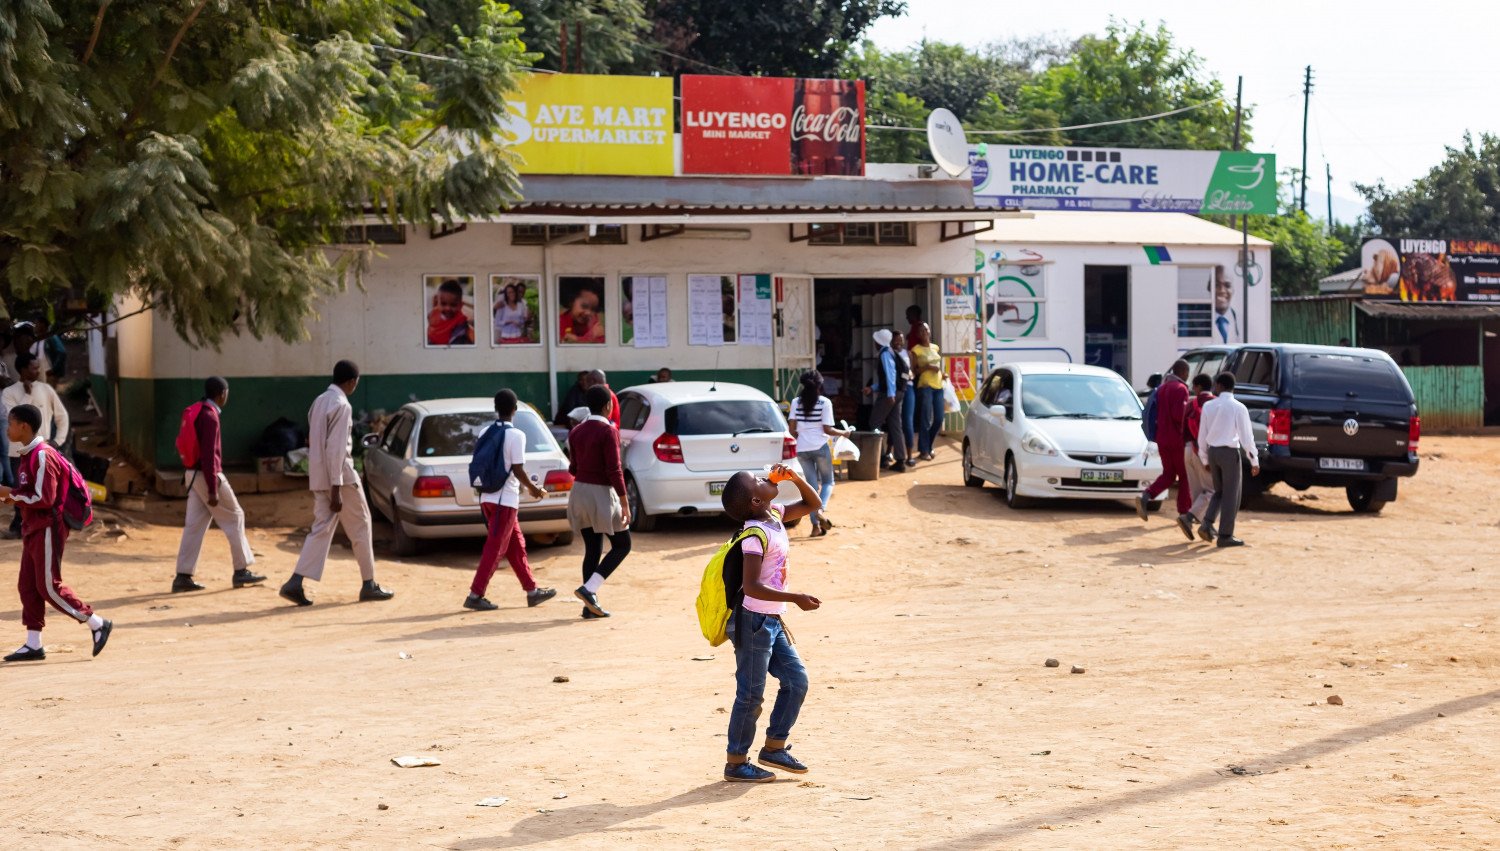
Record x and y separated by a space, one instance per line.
1327 416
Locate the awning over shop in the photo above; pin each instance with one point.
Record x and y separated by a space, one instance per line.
557 199
1429 311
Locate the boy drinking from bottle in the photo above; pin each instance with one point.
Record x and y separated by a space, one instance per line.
762 646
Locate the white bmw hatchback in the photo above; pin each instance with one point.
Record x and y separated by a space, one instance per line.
1057 430
682 440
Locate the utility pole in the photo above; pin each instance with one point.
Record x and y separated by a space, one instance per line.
1307 86
1239 113
1330 195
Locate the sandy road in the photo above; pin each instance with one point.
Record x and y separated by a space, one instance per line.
227 719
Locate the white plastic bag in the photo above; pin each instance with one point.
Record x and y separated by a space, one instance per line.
845 450
950 397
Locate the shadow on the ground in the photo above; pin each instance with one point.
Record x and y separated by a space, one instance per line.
1291 757
604 817
481 629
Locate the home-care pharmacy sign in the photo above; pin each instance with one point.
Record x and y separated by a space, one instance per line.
1127 179
592 124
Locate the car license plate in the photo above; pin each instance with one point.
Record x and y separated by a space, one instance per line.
1103 476
1356 464
716 488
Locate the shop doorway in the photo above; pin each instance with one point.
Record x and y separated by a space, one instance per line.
847 312
1106 317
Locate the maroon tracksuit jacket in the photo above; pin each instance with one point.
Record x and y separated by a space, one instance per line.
41 474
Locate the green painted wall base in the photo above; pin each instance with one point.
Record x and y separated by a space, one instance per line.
151 409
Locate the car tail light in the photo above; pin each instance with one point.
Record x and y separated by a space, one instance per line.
668 448
1413 434
1279 428
788 448
558 481
432 487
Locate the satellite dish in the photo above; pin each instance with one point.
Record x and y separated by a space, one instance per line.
945 138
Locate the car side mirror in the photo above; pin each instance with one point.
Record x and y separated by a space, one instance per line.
370 441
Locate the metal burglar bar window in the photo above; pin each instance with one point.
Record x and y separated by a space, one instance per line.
1195 320
1195 301
861 233
377 234
541 234
896 233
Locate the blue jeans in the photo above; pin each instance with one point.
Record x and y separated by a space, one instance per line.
930 407
763 649
909 415
817 468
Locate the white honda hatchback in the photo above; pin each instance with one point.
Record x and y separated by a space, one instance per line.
682 440
1057 430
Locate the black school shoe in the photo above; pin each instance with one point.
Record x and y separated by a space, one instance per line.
1207 534
294 594
1229 541
590 601
1185 523
185 582
590 616
479 604
538 596
371 591
101 635
781 758
246 577
744 772
27 654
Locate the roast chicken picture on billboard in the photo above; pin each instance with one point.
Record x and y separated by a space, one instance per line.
1430 270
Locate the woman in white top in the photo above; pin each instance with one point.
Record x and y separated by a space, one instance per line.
811 421
512 314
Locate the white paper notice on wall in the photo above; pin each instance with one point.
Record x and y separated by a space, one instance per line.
705 310
648 311
755 310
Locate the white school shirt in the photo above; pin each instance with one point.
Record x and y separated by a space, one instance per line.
511 454
46 400
810 434
330 441
1226 424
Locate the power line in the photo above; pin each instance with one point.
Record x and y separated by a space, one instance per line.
1112 123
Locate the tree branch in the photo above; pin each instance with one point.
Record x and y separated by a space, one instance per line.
177 40
88 52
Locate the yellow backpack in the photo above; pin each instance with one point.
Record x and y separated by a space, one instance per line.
723 586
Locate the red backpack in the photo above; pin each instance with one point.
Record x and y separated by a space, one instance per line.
74 502
187 436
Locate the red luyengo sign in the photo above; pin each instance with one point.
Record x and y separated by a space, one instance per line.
772 125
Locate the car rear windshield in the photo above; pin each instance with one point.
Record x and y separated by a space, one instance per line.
1078 397
446 435
1337 376
724 417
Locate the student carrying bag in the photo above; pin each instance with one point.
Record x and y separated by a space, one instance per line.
487 469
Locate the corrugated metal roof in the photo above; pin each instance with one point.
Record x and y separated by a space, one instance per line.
1429 311
1348 280
1087 227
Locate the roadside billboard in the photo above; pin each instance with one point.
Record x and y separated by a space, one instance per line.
772 126
1431 269
592 124
1124 179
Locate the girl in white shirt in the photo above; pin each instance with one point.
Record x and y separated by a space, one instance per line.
811 421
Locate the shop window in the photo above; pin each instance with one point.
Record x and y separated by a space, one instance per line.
542 234
374 234
862 233
1195 301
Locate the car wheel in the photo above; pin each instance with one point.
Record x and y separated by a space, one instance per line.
970 480
1253 488
1362 498
563 539
402 544
1012 484
370 500
640 521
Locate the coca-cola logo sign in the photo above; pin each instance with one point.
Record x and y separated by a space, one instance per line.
842 125
772 125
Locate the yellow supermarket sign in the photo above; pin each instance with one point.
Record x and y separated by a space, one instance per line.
592 124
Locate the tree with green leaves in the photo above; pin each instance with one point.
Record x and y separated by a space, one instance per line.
1303 251
1458 198
588 36
790 38
203 154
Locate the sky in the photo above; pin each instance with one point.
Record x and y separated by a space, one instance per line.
1393 83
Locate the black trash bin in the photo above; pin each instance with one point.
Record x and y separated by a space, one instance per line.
871 444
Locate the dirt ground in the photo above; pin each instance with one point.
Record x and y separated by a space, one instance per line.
227 719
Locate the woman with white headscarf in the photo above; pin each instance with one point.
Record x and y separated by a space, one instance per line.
888 398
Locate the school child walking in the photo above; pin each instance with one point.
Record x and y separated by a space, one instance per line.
762 645
210 498
597 505
499 472
43 477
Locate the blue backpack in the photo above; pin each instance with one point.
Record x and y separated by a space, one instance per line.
487 470
1148 417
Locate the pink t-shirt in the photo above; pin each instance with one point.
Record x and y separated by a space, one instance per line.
772 563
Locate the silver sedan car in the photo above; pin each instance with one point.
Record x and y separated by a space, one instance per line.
417 473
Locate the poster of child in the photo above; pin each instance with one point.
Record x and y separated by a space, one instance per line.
448 302
627 310
514 301
581 310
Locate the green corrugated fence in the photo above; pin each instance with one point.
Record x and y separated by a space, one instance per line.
1448 397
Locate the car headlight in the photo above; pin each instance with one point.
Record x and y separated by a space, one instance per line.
1037 444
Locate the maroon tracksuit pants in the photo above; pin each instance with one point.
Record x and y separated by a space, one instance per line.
1173 471
41 578
505 539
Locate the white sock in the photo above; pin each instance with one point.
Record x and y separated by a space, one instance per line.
594 584
34 638
95 622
